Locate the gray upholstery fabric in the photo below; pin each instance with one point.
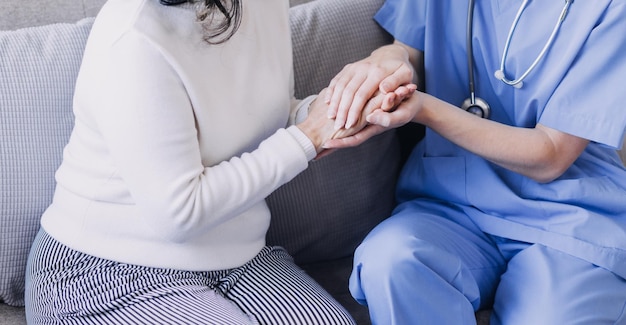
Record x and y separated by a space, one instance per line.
16 14
10 315
38 67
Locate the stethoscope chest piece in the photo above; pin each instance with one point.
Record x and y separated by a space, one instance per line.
477 106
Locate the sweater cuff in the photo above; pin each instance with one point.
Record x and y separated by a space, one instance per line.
302 110
304 141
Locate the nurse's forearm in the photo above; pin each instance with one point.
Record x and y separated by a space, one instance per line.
540 153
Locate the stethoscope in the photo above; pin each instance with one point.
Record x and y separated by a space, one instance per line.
478 106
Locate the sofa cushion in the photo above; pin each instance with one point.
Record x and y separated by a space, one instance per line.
326 211
37 71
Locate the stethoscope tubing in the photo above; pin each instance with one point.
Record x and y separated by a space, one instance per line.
500 74
477 105
470 50
473 104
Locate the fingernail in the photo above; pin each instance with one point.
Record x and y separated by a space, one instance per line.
377 119
384 86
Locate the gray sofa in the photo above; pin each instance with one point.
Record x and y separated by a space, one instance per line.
319 217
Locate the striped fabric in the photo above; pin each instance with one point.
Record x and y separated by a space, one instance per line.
38 67
73 288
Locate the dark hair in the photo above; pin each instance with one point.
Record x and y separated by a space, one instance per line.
220 19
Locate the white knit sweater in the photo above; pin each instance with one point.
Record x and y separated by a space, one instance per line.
177 142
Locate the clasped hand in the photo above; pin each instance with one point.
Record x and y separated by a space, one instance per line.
325 133
366 98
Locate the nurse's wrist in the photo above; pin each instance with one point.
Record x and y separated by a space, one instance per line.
395 51
426 109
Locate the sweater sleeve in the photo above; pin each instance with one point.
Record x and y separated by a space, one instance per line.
147 122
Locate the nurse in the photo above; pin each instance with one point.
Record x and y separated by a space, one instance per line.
524 211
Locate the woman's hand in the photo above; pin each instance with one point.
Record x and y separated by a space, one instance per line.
321 129
317 126
379 104
386 69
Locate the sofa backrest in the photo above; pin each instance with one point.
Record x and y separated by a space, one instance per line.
16 14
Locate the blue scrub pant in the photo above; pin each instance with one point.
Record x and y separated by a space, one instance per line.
429 264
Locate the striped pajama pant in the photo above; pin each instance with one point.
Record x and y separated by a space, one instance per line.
65 286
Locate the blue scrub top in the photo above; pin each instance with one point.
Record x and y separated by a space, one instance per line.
578 88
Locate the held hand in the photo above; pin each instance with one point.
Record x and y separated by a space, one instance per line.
380 102
382 120
319 128
384 71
